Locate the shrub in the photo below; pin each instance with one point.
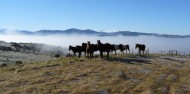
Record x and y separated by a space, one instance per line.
3 65
18 62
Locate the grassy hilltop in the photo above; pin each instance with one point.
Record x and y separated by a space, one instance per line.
128 75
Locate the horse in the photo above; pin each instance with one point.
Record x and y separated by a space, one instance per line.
103 48
141 47
77 49
116 47
112 48
84 48
126 47
95 48
123 47
89 50
74 49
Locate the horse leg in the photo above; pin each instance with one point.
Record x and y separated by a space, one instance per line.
92 55
85 53
79 54
129 50
115 54
75 54
107 54
101 54
88 55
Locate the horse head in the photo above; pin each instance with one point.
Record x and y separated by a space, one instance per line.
83 44
88 42
70 47
121 46
137 45
98 43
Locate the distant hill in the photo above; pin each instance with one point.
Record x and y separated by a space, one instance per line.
73 31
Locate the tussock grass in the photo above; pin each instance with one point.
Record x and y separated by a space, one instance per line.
128 74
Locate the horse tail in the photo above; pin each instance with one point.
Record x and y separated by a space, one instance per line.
128 48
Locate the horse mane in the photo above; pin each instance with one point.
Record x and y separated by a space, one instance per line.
89 50
88 46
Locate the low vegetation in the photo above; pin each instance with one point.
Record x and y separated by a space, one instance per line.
155 74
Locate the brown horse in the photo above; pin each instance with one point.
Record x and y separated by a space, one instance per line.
141 47
89 50
103 48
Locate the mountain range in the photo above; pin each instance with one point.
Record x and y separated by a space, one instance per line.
74 31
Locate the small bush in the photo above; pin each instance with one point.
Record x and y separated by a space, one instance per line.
3 65
57 55
18 62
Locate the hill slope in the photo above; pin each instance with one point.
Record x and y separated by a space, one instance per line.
134 75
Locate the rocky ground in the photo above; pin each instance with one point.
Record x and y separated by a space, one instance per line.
153 74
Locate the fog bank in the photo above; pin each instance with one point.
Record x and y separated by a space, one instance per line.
154 44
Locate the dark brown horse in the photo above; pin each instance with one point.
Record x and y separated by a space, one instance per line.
95 47
84 48
77 49
123 47
141 47
89 50
103 48
112 49
126 47
74 49
116 47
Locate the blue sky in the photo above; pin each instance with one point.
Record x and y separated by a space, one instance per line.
151 16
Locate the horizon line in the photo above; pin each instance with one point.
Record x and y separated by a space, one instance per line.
106 31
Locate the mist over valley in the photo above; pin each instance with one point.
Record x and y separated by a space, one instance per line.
154 44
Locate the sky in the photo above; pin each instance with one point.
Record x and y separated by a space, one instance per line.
149 16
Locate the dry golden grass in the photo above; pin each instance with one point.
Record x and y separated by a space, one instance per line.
126 75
